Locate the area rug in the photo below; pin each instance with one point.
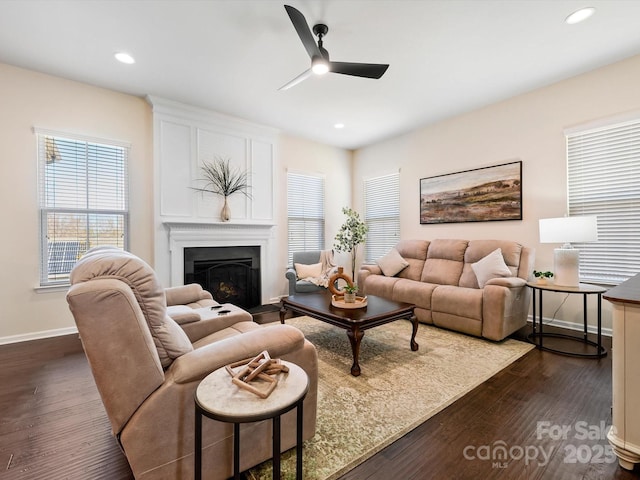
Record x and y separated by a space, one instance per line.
397 390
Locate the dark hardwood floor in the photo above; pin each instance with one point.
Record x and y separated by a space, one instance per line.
53 425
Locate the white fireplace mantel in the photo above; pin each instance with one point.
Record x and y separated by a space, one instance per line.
233 234
178 229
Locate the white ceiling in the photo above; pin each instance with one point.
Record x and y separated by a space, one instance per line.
446 56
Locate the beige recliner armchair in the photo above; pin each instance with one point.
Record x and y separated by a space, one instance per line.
147 368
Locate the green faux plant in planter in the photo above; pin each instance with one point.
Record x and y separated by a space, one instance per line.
350 288
350 293
352 233
223 180
542 276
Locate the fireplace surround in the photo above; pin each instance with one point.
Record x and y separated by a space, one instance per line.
244 237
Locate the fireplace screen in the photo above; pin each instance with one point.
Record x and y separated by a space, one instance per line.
230 274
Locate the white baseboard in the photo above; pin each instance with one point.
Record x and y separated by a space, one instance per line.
73 330
549 322
25 337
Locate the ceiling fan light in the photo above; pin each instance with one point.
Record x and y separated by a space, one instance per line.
579 15
319 66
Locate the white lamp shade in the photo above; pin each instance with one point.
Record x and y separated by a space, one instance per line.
568 229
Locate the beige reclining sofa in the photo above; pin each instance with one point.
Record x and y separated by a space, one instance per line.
147 366
461 285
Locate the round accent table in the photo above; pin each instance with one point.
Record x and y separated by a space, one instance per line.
219 399
584 289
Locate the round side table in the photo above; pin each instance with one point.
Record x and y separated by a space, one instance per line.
219 399
584 289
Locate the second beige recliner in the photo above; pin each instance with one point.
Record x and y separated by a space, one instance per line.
147 368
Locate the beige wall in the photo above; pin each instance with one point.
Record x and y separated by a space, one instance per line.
29 99
305 156
528 127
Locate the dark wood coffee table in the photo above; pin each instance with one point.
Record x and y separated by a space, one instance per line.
355 321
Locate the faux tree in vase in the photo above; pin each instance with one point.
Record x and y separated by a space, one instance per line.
223 180
352 233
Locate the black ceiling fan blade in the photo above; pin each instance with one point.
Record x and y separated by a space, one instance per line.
303 76
304 32
368 70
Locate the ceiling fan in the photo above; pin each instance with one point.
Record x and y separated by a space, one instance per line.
320 62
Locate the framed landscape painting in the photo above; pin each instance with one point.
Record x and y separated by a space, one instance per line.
479 195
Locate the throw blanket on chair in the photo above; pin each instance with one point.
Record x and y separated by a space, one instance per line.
328 269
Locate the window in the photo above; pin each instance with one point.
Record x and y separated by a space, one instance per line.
83 201
305 211
604 180
381 214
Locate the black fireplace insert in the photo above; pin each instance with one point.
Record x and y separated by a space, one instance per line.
230 274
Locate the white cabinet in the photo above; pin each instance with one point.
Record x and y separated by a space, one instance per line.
624 435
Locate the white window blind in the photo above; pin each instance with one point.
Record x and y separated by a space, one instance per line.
305 211
381 214
83 201
604 180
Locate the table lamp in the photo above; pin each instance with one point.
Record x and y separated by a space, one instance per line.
566 259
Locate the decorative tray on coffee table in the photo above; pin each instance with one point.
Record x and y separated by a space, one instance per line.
338 301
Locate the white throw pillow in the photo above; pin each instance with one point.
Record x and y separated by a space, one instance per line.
392 263
491 266
308 271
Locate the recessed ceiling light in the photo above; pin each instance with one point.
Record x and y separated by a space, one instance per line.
339 125
124 57
580 15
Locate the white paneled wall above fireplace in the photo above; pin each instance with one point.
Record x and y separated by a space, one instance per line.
185 137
